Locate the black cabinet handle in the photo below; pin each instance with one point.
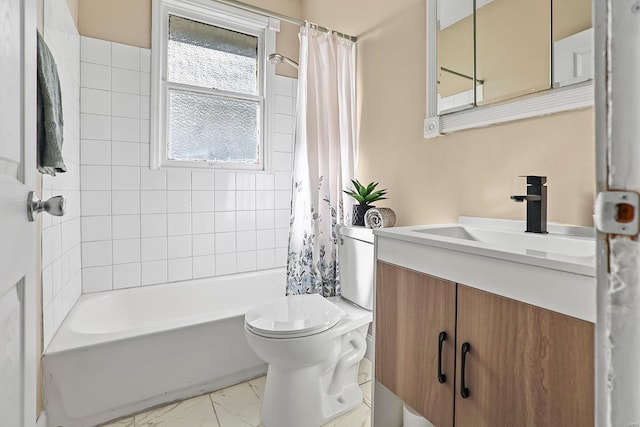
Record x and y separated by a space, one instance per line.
442 378
464 391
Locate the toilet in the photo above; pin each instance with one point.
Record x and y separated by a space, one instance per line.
314 345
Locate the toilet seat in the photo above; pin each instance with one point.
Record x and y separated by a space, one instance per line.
293 316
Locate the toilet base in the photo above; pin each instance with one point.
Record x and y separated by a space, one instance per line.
314 395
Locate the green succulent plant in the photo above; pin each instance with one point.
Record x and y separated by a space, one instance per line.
365 195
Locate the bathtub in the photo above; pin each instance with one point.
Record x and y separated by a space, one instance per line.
124 351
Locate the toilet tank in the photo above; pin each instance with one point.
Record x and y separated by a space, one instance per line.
356 263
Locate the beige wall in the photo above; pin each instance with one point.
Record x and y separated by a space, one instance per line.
129 22
467 173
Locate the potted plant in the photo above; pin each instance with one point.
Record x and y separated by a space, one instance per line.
365 195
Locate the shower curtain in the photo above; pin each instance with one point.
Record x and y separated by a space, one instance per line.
324 162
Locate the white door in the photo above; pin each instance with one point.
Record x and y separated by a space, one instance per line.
18 358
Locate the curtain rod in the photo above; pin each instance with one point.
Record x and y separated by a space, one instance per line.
265 12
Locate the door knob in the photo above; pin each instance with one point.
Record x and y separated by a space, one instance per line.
54 206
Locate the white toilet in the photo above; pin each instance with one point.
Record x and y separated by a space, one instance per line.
314 345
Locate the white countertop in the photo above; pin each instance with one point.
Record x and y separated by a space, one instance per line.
561 277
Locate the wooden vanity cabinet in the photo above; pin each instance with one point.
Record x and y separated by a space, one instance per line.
525 365
412 309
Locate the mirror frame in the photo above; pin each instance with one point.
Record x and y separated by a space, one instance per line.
555 100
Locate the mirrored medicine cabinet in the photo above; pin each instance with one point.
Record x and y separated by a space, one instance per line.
493 61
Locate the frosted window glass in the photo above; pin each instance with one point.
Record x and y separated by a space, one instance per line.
204 127
208 56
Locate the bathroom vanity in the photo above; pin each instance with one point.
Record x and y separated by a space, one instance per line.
481 324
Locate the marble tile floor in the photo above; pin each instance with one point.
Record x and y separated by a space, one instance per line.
239 406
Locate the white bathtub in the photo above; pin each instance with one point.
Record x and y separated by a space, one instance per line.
124 351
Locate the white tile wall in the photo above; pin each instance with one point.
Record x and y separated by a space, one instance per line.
61 237
144 227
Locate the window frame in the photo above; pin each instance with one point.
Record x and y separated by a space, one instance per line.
219 15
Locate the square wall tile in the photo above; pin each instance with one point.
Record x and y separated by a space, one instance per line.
225 243
95 228
95 50
153 202
95 177
154 272
95 76
125 56
202 180
204 266
202 201
125 154
265 182
126 275
126 226
95 152
245 200
125 202
265 219
246 241
145 84
225 181
125 105
126 251
153 225
178 179
125 129
282 218
180 246
266 239
154 249
265 199
145 60
225 264
203 244
225 221
153 179
179 224
96 279
284 86
125 81
282 199
178 201
94 101
93 126
245 220
180 269
246 261
202 222
125 178
265 258
95 254
96 203
245 181
225 201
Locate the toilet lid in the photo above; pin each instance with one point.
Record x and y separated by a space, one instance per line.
292 316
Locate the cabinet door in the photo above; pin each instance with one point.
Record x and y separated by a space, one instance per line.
412 309
526 366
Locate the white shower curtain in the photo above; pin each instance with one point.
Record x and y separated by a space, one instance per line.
324 162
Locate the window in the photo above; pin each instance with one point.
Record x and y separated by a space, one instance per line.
211 85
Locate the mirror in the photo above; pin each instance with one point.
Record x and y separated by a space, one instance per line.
521 65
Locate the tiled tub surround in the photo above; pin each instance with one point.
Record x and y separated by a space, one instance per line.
61 250
144 227
240 406
117 354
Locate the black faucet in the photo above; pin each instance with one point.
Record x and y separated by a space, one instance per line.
536 204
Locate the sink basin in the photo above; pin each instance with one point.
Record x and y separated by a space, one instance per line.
531 243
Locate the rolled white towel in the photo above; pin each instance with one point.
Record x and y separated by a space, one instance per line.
380 218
